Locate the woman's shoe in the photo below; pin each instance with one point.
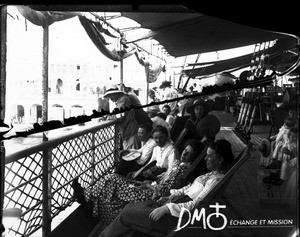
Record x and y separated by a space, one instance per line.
78 191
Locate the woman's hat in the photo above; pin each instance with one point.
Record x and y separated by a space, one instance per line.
196 102
264 147
165 84
113 89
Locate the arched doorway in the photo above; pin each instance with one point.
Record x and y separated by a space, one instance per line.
76 110
17 114
36 113
56 112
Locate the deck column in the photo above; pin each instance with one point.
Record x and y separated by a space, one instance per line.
3 61
2 106
2 183
47 154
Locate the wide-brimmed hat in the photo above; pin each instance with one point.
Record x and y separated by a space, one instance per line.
133 155
190 109
264 147
165 84
112 89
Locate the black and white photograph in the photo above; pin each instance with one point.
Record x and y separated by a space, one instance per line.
149 120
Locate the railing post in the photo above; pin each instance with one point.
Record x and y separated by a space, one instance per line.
93 158
2 177
117 143
47 190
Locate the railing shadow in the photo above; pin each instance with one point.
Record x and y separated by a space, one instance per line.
37 179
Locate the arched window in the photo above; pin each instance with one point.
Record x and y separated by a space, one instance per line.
59 86
78 87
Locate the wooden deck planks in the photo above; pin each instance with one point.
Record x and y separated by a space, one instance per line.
243 192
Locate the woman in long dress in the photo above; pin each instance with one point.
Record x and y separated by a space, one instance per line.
156 215
109 195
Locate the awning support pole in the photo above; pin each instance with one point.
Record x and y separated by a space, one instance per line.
147 77
47 153
181 75
185 85
121 67
3 61
45 73
2 108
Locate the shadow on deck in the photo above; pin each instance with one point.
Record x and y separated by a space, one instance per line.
243 200
244 191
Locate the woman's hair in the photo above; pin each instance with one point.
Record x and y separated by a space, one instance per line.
160 128
167 106
152 114
146 126
197 147
290 122
165 84
201 103
161 115
151 92
223 148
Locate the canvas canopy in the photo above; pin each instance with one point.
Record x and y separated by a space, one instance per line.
184 32
196 33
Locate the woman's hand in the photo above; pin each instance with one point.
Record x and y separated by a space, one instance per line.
158 213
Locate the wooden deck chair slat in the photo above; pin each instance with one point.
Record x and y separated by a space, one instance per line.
180 137
179 123
195 163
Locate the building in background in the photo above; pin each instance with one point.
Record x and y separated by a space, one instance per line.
77 74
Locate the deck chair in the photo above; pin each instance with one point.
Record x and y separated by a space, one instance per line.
194 171
189 174
216 192
180 137
177 127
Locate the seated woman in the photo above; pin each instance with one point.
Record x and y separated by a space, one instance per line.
200 124
158 118
164 154
197 112
289 150
154 215
170 118
277 142
148 144
110 194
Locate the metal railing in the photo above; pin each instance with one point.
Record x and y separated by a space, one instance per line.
38 179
